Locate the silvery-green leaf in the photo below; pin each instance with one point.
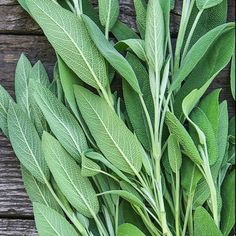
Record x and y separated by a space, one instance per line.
5 100
67 174
210 106
204 4
89 167
23 70
136 45
141 12
68 79
133 104
129 229
68 35
174 154
200 119
111 54
50 222
38 192
63 124
109 132
204 225
228 208
108 12
209 45
232 76
182 136
154 37
26 143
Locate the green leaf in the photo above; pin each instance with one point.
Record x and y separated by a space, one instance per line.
154 37
49 222
182 136
109 132
89 167
141 12
63 124
204 225
67 174
232 76
228 209
129 229
174 154
200 119
108 12
73 44
190 176
26 143
204 4
23 70
39 192
122 31
111 54
210 18
209 47
136 45
133 104
5 100
210 106
130 197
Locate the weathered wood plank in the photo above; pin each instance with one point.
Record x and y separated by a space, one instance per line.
16 227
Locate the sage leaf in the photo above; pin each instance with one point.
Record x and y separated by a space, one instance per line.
133 104
89 167
182 136
111 54
26 143
62 123
200 119
67 174
210 106
73 43
5 100
174 154
49 222
204 225
209 45
136 45
232 76
23 70
108 12
228 208
141 12
128 229
154 37
110 132
39 192
204 4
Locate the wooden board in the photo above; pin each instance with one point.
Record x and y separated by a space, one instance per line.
18 33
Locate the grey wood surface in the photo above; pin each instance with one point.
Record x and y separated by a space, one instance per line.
18 33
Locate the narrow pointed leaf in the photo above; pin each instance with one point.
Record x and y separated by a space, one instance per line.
73 44
110 132
111 54
232 76
63 124
67 174
49 222
26 143
204 4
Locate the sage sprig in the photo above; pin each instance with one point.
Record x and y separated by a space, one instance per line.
157 158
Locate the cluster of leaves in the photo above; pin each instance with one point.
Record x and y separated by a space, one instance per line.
158 159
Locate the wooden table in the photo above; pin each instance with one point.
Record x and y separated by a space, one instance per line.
18 33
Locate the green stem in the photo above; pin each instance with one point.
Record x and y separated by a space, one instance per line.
191 34
77 7
188 209
177 223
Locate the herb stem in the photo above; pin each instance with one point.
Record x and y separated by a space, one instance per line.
77 7
188 209
177 203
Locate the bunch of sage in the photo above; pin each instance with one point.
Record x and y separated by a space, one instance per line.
158 157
